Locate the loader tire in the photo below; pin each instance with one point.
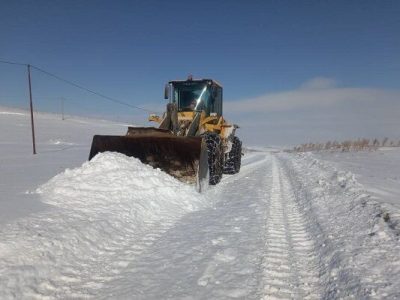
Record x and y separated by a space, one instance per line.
215 157
234 157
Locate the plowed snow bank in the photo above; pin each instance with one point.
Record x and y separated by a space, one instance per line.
101 211
122 183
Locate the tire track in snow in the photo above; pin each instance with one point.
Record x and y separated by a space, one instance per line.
290 267
353 262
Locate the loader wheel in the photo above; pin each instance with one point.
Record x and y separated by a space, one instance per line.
215 157
234 157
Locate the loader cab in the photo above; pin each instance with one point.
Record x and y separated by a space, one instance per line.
196 95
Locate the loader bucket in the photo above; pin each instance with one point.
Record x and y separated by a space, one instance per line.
182 157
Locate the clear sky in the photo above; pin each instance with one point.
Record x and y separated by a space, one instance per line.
269 56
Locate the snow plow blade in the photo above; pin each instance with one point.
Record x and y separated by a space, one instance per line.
184 158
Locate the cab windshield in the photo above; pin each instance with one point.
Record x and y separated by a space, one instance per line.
192 96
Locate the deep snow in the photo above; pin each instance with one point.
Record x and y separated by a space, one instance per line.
287 226
99 212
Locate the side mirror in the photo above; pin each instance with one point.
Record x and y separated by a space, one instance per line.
166 91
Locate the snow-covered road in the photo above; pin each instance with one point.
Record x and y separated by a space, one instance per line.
211 253
256 235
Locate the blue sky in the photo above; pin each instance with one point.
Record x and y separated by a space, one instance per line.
256 49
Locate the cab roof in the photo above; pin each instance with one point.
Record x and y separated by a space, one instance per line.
197 80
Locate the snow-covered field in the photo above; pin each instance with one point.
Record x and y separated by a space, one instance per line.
287 226
378 171
60 145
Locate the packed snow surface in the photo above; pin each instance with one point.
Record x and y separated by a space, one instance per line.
287 226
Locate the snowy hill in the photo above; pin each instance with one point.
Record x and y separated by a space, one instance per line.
287 226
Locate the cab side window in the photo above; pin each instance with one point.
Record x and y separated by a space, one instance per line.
216 106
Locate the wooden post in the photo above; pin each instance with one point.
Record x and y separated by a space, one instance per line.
31 105
62 108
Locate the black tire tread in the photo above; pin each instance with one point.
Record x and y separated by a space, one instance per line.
215 157
234 157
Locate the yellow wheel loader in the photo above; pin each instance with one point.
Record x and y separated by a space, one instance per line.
193 142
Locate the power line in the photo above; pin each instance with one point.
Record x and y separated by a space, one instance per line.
78 86
12 63
89 90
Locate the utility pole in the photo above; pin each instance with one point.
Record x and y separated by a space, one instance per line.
31 105
62 108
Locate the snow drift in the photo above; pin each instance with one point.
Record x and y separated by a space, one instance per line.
98 216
